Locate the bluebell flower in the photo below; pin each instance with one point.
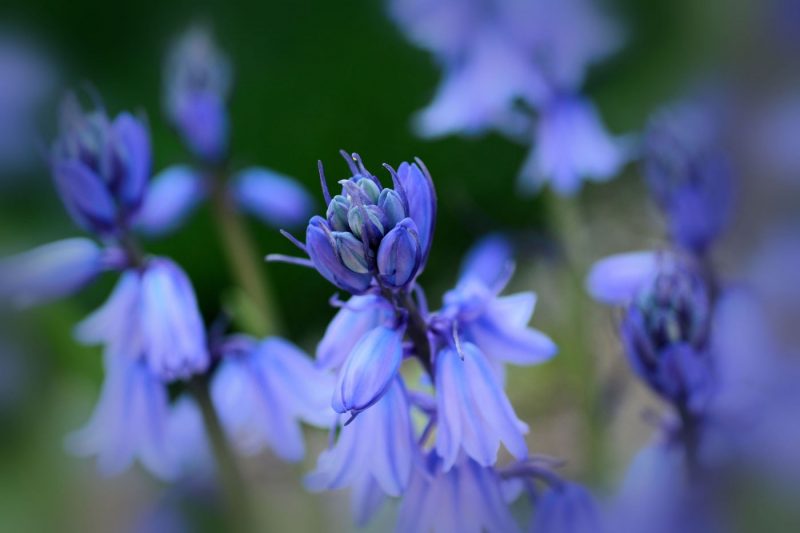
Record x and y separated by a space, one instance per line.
171 197
189 445
131 420
666 332
498 326
51 271
374 237
616 279
466 498
100 166
262 390
571 145
358 316
567 508
276 199
689 172
376 449
369 370
152 315
197 80
473 411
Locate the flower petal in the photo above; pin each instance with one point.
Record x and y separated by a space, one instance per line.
359 315
85 196
172 196
421 196
134 144
276 199
615 279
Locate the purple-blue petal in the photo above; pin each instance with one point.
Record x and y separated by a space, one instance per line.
85 196
134 149
171 197
276 199
616 279
359 315
321 250
421 196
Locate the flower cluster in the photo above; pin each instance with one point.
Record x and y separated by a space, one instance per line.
374 243
501 53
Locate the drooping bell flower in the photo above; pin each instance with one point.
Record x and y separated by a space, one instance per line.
197 79
100 166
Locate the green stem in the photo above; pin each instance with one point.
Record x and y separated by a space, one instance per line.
236 496
244 262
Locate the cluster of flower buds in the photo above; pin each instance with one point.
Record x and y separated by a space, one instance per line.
374 236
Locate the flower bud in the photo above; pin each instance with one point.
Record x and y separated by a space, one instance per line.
366 220
337 213
321 248
370 189
665 331
351 252
392 206
399 255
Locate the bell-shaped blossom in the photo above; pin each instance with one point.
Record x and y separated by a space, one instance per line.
369 370
188 440
100 166
567 508
474 414
689 172
374 235
616 279
571 145
496 325
666 332
263 389
171 197
197 80
131 421
276 199
466 498
358 316
376 449
152 314
51 271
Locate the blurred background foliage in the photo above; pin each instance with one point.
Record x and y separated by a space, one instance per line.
312 77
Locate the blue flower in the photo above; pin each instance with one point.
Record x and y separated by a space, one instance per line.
474 413
666 332
374 236
197 79
616 279
100 166
130 420
152 315
466 498
263 388
171 197
689 172
276 199
369 369
571 145
375 450
498 326
567 508
51 271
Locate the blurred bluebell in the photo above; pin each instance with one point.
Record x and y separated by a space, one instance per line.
616 279
197 80
571 145
100 166
473 411
188 441
369 370
399 255
276 199
666 332
358 316
689 172
51 271
130 421
263 389
152 315
375 450
171 197
465 498
567 508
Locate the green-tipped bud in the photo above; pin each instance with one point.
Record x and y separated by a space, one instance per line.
366 219
392 206
337 213
370 189
351 252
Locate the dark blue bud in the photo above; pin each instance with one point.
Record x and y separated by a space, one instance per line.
666 331
337 213
399 255
351 252
321 248
365 222
392 206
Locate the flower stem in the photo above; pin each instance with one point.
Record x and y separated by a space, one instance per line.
243 260
236 496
